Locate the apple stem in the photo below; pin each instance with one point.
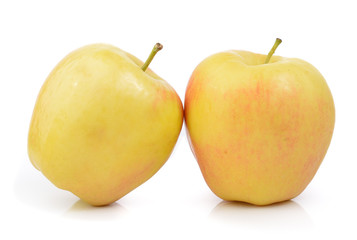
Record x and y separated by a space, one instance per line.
157 47
272 51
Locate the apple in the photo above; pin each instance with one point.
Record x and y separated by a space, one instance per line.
103 123
259 126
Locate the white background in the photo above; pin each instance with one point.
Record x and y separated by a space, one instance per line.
175 203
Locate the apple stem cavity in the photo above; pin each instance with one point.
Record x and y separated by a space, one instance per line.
157 47
272 50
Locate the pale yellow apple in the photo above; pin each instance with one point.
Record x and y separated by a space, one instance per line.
259 131
101 125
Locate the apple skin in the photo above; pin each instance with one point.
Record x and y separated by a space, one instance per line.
259 131
102 126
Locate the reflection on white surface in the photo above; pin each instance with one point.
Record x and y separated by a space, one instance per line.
285 215
34 189
82 210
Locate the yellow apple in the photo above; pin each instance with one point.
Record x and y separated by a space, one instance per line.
102 125
259 126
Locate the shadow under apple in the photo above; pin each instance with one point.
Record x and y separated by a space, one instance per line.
288 215
84 211
33 189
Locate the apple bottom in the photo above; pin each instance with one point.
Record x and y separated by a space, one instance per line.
256 179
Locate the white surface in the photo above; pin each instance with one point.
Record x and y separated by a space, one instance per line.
175 203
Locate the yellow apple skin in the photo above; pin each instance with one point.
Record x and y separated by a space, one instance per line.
259 131
102 126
